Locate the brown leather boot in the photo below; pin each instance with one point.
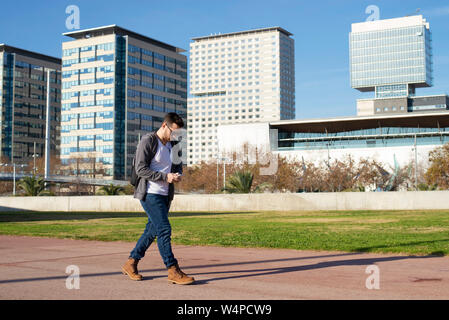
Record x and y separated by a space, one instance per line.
175 275
130 269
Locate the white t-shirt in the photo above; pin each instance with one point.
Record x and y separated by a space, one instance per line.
160 162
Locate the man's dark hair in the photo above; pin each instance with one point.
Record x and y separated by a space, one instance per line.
173 117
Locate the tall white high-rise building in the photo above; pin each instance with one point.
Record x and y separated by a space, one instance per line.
239 77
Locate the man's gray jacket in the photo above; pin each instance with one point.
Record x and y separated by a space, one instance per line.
146 150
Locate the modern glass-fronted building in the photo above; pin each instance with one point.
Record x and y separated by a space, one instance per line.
364 132
380 137
391 57
23 100
117 86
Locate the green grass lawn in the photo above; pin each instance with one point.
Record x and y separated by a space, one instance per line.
406 232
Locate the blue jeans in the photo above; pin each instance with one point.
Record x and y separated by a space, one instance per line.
156 207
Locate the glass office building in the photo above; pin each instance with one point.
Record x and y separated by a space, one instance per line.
367 132
23 100
377 137
117 86
391 57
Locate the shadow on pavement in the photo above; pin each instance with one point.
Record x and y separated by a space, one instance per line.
328 264
244 273
406 244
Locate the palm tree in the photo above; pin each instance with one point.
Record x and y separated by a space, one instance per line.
34 186
111 190
242 181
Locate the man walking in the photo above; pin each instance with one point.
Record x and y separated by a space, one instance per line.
155 189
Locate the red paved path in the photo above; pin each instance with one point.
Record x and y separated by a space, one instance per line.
34 268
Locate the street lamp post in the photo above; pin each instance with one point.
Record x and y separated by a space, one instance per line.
47 129
14 165
416 163
34 158
224 171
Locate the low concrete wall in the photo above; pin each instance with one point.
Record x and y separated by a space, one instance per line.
410 200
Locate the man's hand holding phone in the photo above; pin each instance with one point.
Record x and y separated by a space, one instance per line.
173 177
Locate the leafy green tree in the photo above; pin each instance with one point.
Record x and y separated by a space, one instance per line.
34 186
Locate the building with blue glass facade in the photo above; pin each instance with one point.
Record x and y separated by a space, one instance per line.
23 99
391 57
117 85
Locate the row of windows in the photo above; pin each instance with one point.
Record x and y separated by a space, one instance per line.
213 107
134 82
428 107
223 86
391 87
373 143
237 48
134 49
152 64
141 116
396 72
235 63
103 46
388 33
223 118
382 42
145 95
362 132
147 74
390 49
236 54
25 65
84 93
70 84
103 149
104 69
84 126
197 101
103 91
137 104
70 62
388 65
104 160
198 44
370 58
222 100
98 137
102 114
368 82
217 112
91 103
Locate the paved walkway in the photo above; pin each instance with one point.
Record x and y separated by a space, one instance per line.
34 268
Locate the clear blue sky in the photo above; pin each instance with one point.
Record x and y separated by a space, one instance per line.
320 31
